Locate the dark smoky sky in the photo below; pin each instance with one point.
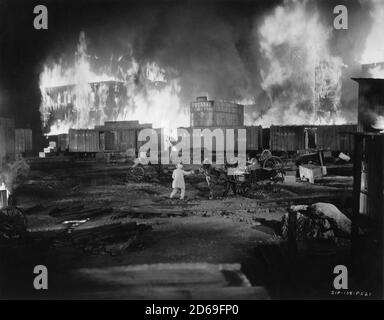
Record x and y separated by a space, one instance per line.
212 44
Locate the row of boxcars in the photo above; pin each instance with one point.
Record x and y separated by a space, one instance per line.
122 136
13 141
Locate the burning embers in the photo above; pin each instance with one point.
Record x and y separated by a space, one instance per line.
90 92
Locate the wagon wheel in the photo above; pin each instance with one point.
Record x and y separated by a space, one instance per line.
136 174
276 164
265 155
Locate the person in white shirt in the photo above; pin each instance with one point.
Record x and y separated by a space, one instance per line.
178 181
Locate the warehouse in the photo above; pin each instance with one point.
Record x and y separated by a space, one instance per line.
59 103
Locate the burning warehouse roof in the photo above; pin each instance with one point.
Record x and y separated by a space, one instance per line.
84 104
87 93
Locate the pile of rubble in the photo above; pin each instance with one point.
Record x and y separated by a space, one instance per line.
318 221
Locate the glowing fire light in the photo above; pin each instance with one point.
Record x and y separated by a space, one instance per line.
374 45
300 75
379 124
83 95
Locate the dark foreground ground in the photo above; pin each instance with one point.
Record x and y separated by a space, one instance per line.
235 229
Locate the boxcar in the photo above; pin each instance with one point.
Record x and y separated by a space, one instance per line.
301 137
84 140
63 142
254 138
23 140
336 137
286 138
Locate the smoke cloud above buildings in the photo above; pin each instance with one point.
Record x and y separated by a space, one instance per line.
260 53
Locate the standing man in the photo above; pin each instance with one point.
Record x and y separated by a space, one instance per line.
178 181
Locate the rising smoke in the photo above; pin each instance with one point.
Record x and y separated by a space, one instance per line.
299 72
282 61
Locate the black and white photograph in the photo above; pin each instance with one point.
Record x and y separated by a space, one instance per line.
217 151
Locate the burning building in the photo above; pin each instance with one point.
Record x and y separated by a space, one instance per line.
88 92
327 91
104 100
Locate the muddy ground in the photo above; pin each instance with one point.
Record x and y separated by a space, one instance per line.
234 229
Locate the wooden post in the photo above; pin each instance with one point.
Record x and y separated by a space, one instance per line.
358 157
3 199
292 236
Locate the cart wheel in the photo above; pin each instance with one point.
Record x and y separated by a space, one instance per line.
275 163
265 154
135 174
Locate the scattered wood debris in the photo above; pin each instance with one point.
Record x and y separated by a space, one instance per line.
96 238
112 238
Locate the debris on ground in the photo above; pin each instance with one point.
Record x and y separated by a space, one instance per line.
112 238
13 224
318 221
91 237
340 223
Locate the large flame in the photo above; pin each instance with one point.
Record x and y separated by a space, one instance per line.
379 123
374 45
83 95
300 75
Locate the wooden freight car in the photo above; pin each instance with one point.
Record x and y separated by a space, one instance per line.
125 135
254 138
88 140
7 141
63 142
23 141
302 137
336 137
84 140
